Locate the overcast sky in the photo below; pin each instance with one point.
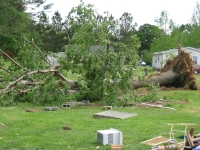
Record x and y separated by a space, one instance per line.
143 11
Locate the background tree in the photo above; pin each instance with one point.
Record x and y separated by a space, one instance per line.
192 30
43 27
126 27
13 24
169 36
147 33
16 22
162 23
57 33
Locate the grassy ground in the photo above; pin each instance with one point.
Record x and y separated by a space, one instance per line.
42 130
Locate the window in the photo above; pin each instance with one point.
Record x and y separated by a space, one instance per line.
194 59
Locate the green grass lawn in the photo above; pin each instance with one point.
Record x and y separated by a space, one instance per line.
42 130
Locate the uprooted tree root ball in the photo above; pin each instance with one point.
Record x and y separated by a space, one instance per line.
182 64
176 73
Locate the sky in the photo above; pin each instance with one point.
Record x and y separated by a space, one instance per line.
143 11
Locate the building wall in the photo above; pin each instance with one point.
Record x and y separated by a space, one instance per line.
157 61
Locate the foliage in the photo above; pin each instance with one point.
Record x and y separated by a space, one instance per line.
45 88
152 93
100 69
147 56
163 21
192 30
100 73
187 35
56 33
170 35
126 27
147 33
11 29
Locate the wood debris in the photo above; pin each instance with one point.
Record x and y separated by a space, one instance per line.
30 110
3 125
159 106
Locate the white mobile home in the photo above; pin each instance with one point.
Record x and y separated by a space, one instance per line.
159 58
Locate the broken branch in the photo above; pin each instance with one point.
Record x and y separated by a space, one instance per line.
70 82
13 60
38 50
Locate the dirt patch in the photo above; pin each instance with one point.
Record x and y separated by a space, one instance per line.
66 128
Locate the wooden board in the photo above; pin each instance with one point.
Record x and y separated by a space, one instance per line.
156 141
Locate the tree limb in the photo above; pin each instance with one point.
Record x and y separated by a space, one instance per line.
69 82
22 91
38 50
13 60
5 69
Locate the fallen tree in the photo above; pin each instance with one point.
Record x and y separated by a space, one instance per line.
30 77
177 72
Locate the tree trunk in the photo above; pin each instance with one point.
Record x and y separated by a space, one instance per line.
166 78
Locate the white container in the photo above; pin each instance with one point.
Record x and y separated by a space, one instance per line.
111 136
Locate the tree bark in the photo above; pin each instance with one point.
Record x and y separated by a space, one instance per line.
165 78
